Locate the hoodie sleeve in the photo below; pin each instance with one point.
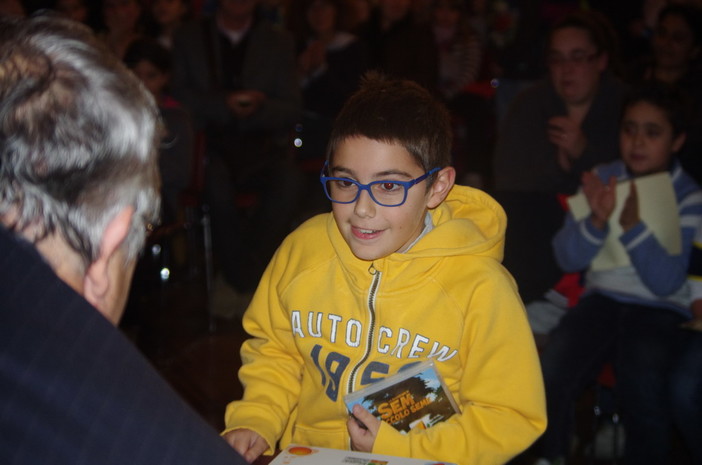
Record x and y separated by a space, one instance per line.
500 392
271 365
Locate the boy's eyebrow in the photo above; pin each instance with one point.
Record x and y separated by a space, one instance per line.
340 170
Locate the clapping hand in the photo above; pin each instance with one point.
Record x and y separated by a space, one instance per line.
630 213
600 197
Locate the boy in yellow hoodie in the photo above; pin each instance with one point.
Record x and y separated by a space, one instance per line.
405 268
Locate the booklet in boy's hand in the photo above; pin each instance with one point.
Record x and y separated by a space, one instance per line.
296 454
416 397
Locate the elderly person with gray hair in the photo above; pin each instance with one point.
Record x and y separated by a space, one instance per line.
78 190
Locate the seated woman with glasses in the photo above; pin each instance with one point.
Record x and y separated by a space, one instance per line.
554 131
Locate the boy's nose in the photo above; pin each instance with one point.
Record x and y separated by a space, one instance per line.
365 205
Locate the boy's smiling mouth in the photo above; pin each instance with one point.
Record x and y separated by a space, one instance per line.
363 233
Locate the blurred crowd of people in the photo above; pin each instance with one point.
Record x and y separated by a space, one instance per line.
536 90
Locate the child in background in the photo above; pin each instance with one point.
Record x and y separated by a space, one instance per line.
628 315
151 63
405 268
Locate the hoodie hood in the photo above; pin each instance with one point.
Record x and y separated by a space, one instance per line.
468 222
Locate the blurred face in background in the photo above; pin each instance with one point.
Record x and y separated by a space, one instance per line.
168 12
237 10
394 10
646 139
73 9
575 65
11 8
446 16
321 16
121 15
674 43
152 77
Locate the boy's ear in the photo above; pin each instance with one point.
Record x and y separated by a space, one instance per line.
98 276
443 183
679 141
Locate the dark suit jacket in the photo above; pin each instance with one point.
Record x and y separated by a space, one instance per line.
269 66
74 390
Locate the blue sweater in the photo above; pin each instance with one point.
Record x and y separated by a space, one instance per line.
654 278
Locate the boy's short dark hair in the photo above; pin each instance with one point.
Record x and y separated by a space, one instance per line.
396 111
669 98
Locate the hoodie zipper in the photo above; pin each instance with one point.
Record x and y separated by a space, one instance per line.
372 292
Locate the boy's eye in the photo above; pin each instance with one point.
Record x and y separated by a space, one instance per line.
344 183
389 186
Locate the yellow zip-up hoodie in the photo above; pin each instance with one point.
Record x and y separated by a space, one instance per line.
324 323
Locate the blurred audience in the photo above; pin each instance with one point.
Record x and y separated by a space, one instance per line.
399 46
635 295
11 8
460 52
675 58
330 62
235 72
517 35
554 131
152 64
77 10
357 13
122 23
166 16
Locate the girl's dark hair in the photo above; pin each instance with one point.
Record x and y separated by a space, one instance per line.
669 98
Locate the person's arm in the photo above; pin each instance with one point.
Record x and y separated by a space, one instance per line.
500 391
271 366
577 242
191 82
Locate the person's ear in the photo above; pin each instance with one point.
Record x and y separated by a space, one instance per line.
679 141
98 277
445 179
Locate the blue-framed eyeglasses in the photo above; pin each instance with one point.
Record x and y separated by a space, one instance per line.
385 193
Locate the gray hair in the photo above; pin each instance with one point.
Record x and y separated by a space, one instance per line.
78 136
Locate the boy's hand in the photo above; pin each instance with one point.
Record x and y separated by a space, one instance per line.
600 197
362 439
247 443
630 213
